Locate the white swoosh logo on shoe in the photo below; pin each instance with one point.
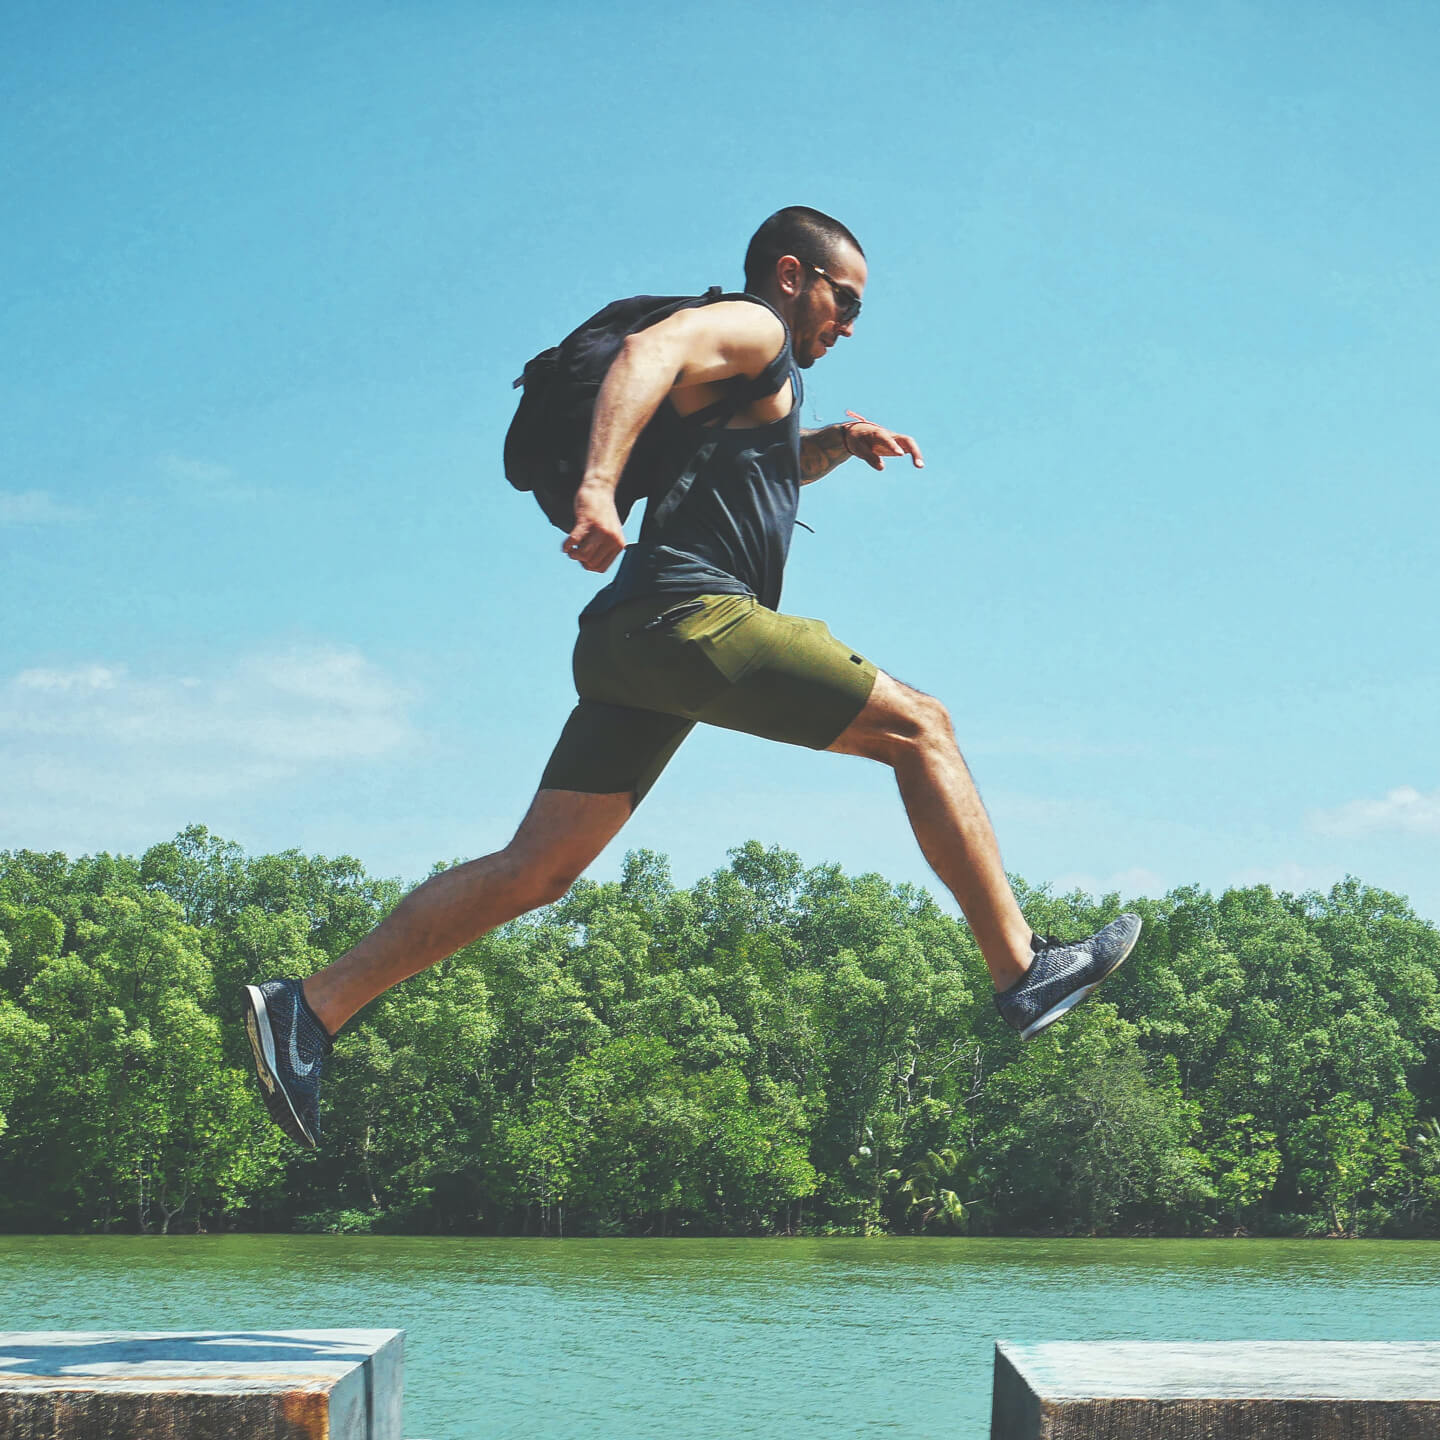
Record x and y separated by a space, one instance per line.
295 1064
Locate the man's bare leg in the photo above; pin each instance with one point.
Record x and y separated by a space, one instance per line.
563 831
911 732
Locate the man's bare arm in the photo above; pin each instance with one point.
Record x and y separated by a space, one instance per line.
822 450
692 348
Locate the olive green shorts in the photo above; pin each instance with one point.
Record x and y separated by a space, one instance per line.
650 668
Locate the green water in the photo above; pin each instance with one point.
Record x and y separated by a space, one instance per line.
683 1339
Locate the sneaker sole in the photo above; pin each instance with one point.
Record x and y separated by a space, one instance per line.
262 1043
1076 996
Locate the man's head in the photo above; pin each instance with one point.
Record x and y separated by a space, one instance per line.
812 270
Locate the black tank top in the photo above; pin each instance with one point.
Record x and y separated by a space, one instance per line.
724 526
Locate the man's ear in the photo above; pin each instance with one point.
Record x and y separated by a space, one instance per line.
789 275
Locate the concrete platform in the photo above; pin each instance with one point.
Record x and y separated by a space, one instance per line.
201 1385
1223 1390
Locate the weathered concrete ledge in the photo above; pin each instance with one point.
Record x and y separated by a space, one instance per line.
202 1385
1221 1390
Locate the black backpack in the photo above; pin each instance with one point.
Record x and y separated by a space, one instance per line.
548 440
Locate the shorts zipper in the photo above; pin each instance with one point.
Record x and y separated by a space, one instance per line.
666 618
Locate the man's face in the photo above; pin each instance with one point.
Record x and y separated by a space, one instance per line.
815 324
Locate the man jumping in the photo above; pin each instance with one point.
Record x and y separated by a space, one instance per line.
689 630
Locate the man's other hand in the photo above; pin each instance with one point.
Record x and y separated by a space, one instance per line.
874 443
597 537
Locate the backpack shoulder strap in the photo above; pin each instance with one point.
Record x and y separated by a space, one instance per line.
663 310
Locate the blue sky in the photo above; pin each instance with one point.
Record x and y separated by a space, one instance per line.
1155 285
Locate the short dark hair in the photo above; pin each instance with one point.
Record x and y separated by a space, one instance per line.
799 231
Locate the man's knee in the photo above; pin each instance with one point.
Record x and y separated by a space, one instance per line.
549 886
898 722
930 717
927 726
562 832
533 880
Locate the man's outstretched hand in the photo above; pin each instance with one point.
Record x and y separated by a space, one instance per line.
873 444
597 537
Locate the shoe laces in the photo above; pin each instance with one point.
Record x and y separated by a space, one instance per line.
1040 942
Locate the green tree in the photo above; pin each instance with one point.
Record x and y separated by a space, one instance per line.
133 1114
1086 1131
1246 1162
929 1194
1347 1154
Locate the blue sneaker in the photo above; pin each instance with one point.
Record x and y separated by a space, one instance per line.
1063 973
290 1047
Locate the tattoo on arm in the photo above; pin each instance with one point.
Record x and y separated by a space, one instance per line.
821 451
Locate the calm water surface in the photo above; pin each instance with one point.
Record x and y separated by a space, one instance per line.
684 1339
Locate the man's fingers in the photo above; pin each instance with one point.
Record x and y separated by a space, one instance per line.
593 547
595 550
886 442
602 556
889 442
909 447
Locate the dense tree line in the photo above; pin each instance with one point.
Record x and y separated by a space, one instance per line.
773 1049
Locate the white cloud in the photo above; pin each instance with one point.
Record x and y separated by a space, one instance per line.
1136 880
99 737
206 480
37 507
86 677
1404 809
1286 875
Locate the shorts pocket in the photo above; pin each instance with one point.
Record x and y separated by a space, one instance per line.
747 636
732 634
666 666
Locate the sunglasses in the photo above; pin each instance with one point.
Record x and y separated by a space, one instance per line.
847 302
